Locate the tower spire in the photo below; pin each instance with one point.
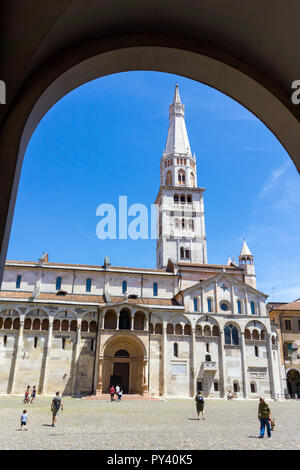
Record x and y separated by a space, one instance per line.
177 140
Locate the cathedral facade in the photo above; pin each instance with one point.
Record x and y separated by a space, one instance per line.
185 326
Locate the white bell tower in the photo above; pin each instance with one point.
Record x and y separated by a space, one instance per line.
181 224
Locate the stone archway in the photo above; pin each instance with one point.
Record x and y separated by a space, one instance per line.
123 362
293 383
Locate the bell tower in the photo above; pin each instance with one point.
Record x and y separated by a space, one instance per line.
181 224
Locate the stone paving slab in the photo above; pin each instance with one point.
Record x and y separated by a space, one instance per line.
161 425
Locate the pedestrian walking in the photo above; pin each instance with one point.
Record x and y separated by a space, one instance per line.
27 394
33 394
264 416
56 406
200 405
112 393
23 420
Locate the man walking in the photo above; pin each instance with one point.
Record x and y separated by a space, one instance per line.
56 405
264 416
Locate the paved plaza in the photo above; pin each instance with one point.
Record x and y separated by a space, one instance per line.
169 424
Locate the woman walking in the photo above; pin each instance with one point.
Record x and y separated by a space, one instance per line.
200 404
264 416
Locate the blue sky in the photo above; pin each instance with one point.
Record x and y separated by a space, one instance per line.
106 139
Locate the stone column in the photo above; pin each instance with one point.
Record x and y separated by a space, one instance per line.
233 307
15 358
246 303
202 300
193 359
118 320
221 364
145 377
100 384
96 382
76 351
146 323
270 365
216 297
164 359
244 365
132 321
47 349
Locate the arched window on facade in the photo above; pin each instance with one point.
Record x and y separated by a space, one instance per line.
84 326
208 358
252 306
18 281
158 329
231 335
181 252
189 199
209 305
58 283
176 198
88 285
155 289
125 320
124 287
175 349
195 300
187 330
170 329
8 323
182 199
239 306
215 331
138 323
178 329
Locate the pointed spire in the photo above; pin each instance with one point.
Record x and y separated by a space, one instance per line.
177 141
245 250
229 261
176 99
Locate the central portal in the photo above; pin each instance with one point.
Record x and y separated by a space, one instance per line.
123 364
121 375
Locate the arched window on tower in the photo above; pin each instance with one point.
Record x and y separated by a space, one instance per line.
181 177
18 281
176 199
182 199
58 283
175 349
169 179
192 179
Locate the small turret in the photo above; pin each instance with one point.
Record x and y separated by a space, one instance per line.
246 262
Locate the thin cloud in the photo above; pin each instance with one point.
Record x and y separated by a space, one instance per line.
273 179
